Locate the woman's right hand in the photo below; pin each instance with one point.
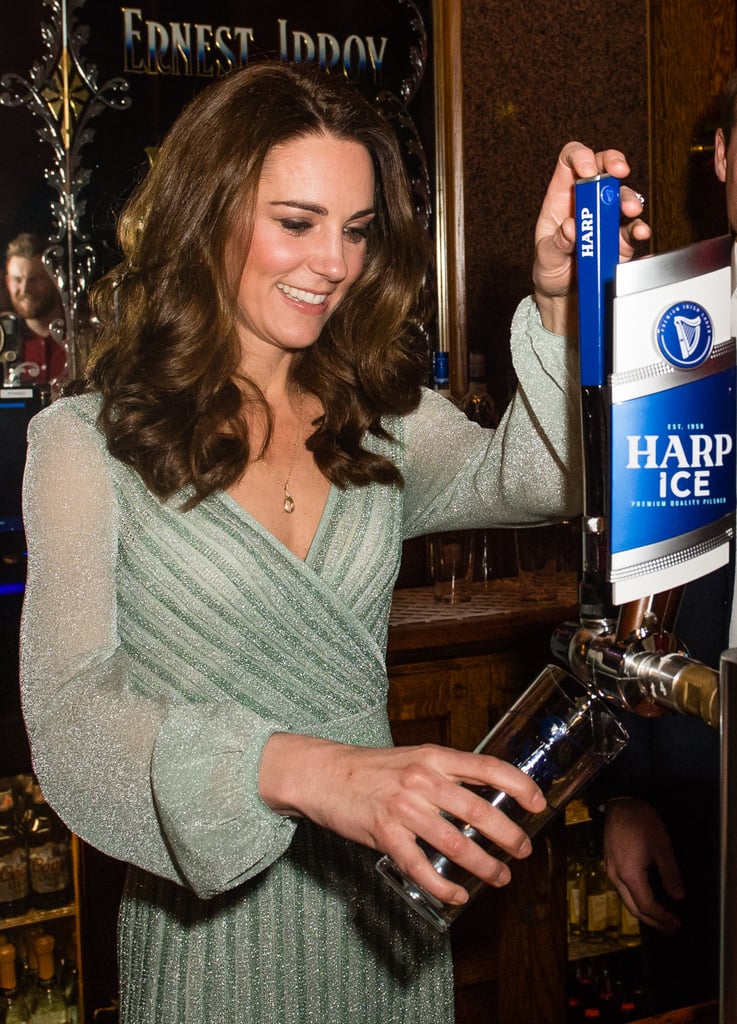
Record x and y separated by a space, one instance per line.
386 798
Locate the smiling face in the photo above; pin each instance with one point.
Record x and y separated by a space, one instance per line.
32 291
314 206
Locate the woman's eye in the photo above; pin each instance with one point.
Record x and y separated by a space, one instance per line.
357 233
295 227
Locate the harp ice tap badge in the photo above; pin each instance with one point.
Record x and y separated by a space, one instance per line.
672 426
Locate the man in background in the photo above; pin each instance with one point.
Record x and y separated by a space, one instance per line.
661 834
37 304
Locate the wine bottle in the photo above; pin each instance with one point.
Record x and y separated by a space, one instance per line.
14 1007
606 997
28 962
51 1007
13 861
574 1011
596 900
613 911
69 976
629 928
48 856
576 889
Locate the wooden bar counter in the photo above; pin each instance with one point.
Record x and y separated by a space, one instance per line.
453 670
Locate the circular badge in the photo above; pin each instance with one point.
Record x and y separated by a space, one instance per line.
685 335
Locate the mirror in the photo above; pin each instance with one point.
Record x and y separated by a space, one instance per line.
89 90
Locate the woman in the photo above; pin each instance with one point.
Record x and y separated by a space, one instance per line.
210 577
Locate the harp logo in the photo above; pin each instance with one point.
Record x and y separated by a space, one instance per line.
685 335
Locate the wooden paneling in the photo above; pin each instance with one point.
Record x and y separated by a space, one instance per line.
450 680
536 75
693 51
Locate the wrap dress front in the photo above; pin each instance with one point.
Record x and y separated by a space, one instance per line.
160 650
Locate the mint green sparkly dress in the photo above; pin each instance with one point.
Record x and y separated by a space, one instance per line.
160 650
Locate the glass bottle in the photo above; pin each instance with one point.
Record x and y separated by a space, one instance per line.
606 998
477 402
14 1008
574 1010
613 910
575 887
596 900
13 860
28 962
51 1007
48 856
629 929
585 983
628 1010
69 976
23 786
441 373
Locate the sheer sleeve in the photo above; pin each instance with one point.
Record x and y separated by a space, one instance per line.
171 786
529 470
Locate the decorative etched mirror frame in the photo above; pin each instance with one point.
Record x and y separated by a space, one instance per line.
62 91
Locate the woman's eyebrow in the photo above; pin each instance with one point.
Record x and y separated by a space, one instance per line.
316 208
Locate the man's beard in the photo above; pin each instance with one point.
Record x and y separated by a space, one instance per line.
32 307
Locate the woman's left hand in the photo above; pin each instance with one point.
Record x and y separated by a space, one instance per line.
555 233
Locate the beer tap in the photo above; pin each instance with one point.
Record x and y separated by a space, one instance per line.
625 651
638 664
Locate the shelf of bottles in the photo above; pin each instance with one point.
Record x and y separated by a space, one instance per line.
603 936
40 942
598 920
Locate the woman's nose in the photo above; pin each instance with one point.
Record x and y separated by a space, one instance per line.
328 257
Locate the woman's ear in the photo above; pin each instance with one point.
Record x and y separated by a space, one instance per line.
720 155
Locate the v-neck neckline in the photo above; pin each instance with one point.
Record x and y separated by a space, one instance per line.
325 517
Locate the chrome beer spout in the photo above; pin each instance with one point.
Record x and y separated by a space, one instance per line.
638 663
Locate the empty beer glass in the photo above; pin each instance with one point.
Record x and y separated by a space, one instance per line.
561 734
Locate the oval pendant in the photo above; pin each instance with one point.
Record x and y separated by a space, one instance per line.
288 505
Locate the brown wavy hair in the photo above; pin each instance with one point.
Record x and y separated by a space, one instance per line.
167 356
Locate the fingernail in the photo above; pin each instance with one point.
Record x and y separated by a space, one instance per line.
504 875
525 848
539 801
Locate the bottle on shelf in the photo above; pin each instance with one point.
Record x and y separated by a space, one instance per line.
629 927
607 999
613 909
23 787
48 856
574 1013
628 1010
441 373
69 976
14 1008
575 886
477 402
595 881
51 1007
14 883
28 961
584 984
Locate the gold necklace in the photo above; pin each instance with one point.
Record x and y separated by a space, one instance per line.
288 503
